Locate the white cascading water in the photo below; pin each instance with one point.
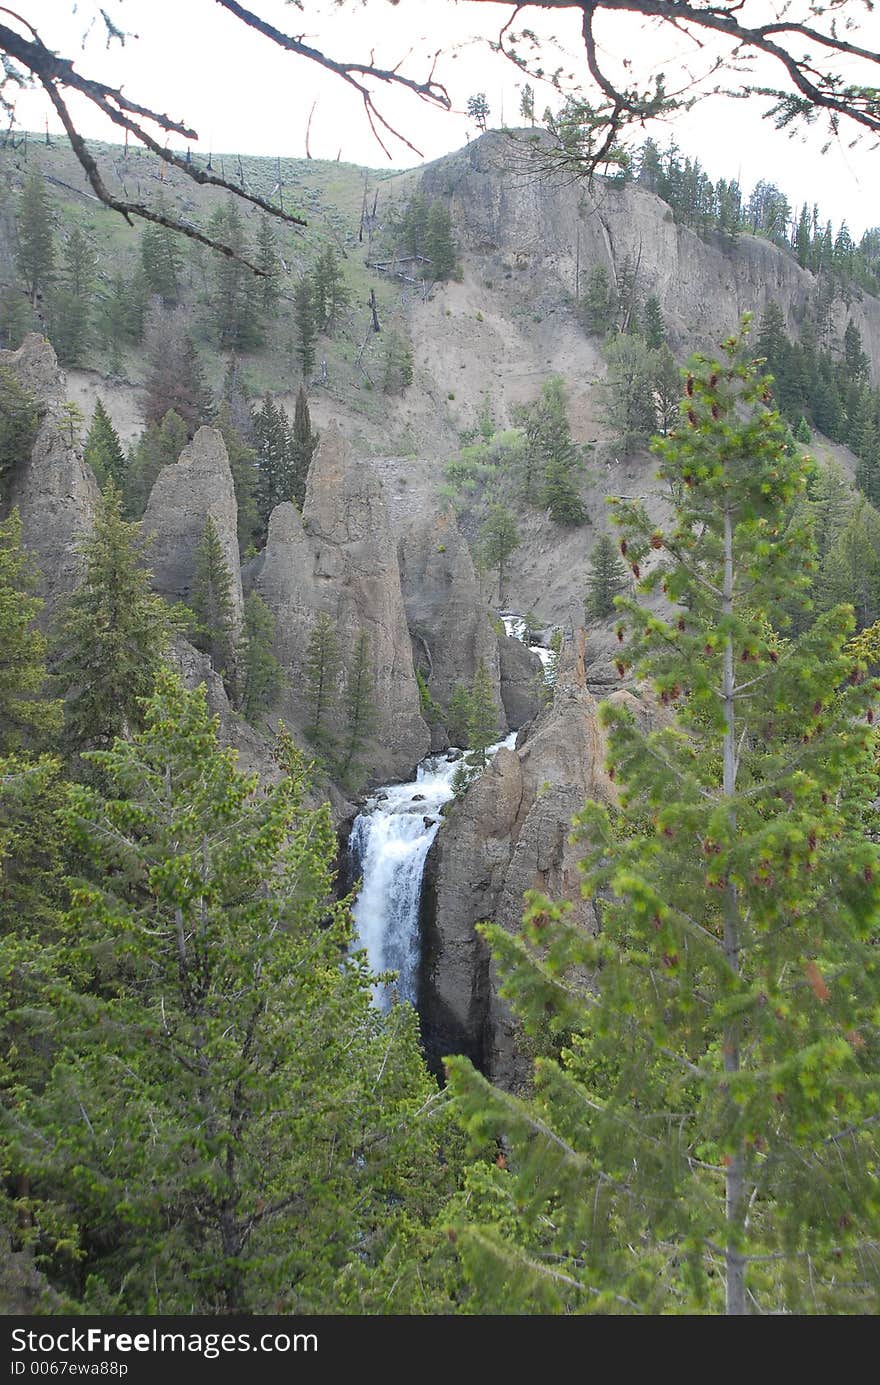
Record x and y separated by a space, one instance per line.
390 840
389 843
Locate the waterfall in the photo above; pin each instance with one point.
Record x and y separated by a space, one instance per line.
389 841
389 844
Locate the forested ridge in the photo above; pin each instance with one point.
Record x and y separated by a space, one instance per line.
202 1107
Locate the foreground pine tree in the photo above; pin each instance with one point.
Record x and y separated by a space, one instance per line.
214 609
703 1133
229 1125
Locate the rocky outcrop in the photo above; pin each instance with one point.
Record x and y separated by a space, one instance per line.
509 834
54 489
547 227
341 558
522 679
447 617
186 494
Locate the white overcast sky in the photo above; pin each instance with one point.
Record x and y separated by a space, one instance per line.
199 64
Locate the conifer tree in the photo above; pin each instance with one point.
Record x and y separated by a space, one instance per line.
27 717
274 482
245 476
478 109
161 263
121 314
174 373
302 446
113 633
705 1131
213 607
230 997
482 731
629 404
260 672
71 303
35 248
323 664
666 383
306 326
234 305
19 421
269 262
103 450
439 241
397 362
456 715
527 103
597 302
159 445
16 318
653 323
329 292
499 538
607 579
360 711
414 226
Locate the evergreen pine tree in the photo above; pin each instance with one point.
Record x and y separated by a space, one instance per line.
174 373
482 731
414 226
35 248
103 450
456 715
260 672
19 421
499 537
159 445
243 465
597 302
213 607
274 459
703 1126
607 579
630 411
397 362
27 717
306 325
666 381
439 241
16 318
360 712
527 103
269 261
156 1142
71 302
234 305
161 263
323 664
329 292
112 635
653 323
302 446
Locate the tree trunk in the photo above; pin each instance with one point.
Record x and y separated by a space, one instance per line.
734 1263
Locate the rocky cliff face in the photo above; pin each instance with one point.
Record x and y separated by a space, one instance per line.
446 614
341 558
54 489
544 228
509 834
195 488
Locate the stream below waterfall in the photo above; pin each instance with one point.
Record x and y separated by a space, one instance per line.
388 846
